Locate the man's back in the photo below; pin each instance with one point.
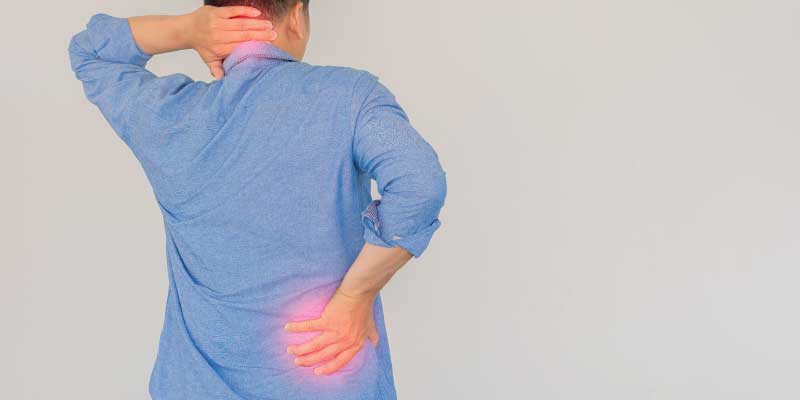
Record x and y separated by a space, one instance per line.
263 179
264 220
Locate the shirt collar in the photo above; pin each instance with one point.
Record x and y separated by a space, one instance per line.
257 50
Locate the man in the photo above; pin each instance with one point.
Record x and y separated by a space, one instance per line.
276 251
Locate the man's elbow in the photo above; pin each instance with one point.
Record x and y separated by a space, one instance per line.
433 189
78 54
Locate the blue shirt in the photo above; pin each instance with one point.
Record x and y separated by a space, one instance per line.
263 179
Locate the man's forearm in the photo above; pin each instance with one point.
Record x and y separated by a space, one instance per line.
157 34
372 269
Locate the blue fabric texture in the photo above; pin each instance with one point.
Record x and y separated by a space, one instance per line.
263 180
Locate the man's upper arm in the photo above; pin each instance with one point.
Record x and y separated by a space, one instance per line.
111 66
409 177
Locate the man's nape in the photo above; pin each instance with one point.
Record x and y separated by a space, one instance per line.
290 18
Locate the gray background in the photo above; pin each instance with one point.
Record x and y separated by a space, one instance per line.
623 218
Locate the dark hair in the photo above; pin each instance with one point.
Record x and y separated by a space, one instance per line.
274 8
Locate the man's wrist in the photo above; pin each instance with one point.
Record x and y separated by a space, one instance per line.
357 294
183 26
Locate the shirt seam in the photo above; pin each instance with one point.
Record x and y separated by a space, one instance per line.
260 56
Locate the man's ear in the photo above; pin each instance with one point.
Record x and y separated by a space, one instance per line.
297 21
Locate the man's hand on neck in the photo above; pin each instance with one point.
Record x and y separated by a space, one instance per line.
211 31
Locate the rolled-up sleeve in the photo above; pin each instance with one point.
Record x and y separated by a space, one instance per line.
409 176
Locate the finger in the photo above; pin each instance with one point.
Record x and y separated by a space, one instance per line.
325 354
338 362
373 337
312 345
224 50
244 36
216 69
305 326
244 24
237 11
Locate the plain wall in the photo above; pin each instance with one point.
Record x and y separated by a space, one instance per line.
622 221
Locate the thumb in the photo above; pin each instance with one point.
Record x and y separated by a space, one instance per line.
373 337
216 69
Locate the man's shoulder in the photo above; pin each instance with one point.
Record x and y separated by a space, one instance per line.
332 76
336 71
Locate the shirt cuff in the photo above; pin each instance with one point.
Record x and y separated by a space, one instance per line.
415 244
113 41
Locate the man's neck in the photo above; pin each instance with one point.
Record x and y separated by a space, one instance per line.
282 42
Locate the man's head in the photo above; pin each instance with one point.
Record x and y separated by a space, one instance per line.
290 19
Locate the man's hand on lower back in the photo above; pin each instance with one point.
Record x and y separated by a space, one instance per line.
345 325
347 319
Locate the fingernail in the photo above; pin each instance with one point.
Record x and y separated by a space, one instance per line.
289 350
286 327
317 371
297 361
